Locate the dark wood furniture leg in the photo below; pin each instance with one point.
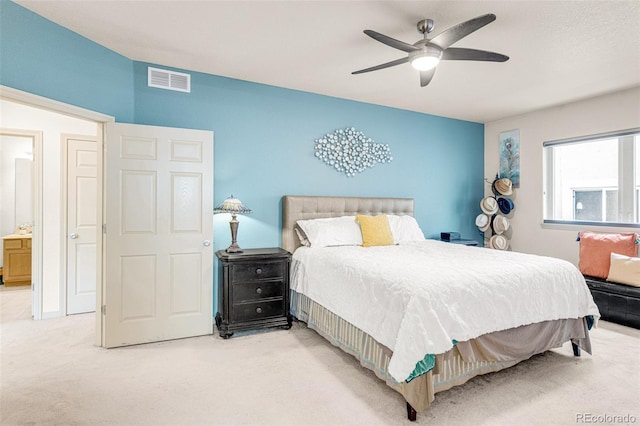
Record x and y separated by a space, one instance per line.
411 413
289 322
576 349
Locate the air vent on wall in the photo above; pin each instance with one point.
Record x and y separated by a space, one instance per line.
170 80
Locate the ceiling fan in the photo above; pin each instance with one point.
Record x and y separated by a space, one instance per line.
424 55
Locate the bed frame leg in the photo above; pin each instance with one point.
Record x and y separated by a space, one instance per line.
576 349
411 413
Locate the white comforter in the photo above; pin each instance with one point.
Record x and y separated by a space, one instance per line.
416 298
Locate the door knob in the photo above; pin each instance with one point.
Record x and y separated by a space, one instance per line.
73 236
206 243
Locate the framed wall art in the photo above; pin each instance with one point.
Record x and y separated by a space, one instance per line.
510 156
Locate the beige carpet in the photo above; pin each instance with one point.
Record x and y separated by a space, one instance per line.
51 373
15 303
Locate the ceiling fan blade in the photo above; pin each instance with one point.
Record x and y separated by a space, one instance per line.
463 29
382 66
426 76
396 44
461 54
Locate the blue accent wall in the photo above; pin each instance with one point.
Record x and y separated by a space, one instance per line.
41 57
264 148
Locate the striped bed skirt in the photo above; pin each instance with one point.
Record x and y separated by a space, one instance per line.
450 369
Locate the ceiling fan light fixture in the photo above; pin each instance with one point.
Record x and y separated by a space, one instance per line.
426 58
425 63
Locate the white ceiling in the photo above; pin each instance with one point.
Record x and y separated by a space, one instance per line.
560 51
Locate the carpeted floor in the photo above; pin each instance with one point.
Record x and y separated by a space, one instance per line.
15 303
51 373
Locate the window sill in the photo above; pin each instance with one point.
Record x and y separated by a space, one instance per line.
590 226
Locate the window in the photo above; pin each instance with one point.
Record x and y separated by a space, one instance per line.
593 180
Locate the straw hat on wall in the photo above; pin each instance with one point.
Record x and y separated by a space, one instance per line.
500 224
483 222
502 186
499 242
489 206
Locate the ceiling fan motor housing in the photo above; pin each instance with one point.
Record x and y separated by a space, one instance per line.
425 26
427 50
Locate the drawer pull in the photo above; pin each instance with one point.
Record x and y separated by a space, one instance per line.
259 310
258 290
259 271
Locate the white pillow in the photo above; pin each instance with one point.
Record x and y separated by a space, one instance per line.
624 270
332 231
405 228
301 236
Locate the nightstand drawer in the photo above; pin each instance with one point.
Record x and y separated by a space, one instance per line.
257 310
260 290
252 271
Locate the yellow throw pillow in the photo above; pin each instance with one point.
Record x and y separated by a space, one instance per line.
375 230
624 270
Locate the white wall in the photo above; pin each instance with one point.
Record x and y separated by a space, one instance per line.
23 207
52 125
617 111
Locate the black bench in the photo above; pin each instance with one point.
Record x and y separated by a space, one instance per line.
617 303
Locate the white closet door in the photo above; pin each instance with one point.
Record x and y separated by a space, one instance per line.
81 224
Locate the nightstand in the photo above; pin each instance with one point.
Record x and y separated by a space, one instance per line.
462 241
253 290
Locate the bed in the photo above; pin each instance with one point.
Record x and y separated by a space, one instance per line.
424 339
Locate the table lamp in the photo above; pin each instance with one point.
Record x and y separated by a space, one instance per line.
234 206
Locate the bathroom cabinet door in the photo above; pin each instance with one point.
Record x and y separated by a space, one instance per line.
16 260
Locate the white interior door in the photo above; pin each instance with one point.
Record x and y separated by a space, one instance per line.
158 265
81 224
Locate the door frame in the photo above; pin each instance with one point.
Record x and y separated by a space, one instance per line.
41 102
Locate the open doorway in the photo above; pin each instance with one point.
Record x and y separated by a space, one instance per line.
190 154
16 207
20 160
48 133
16 222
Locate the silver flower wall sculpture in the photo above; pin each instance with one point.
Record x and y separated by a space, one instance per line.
349 151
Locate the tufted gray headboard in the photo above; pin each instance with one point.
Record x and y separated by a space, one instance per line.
296 207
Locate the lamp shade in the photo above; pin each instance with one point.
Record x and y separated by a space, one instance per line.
231 205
